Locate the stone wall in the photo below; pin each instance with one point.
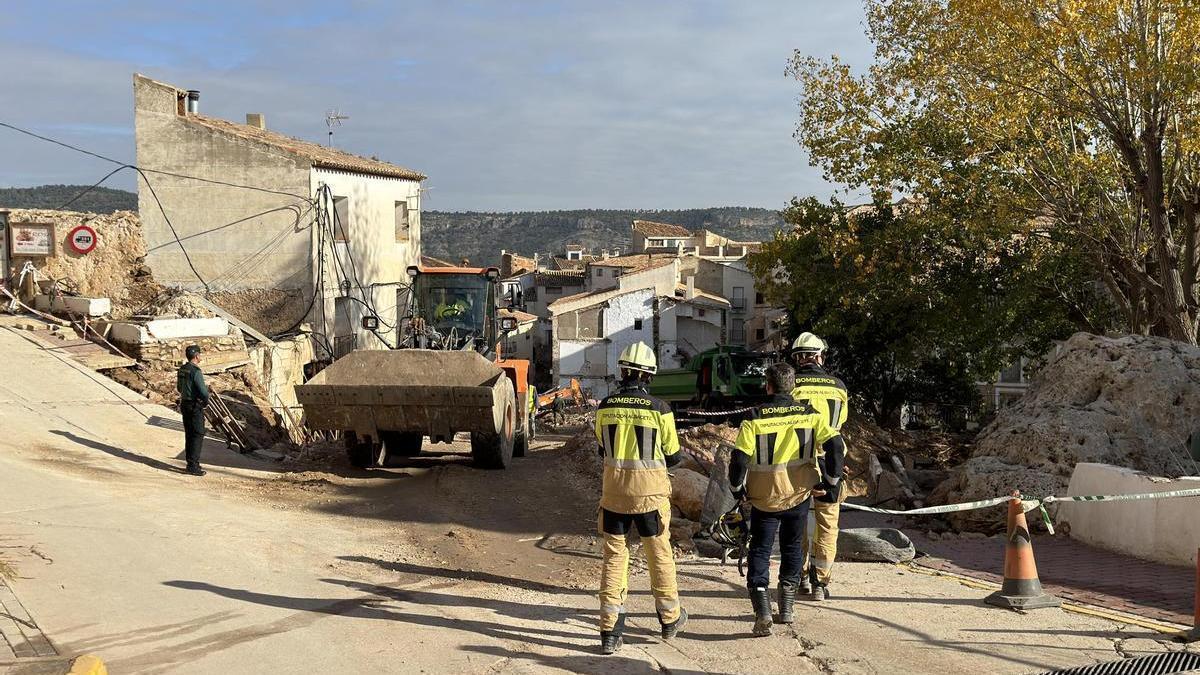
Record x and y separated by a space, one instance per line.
115 269
216 353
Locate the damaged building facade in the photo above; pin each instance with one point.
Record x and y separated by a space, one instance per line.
276 230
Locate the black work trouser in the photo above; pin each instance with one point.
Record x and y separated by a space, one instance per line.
193 431
763 526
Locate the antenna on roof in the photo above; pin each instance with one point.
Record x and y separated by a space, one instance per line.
334 118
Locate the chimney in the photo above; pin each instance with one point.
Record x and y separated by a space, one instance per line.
256 120
690 293
193 102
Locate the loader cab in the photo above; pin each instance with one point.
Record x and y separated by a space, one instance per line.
452 308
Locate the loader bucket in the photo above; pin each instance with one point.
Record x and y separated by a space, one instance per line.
416 391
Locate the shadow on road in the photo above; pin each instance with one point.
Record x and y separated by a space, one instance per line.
388 604
119 453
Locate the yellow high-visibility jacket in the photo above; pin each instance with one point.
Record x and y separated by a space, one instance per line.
780 444
824 392
637 439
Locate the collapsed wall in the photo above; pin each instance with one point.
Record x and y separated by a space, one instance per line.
1128 401
115 269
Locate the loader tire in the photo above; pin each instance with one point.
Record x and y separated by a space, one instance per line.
524 437
401 444
494 449
362 454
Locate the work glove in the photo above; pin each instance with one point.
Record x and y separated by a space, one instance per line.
831 492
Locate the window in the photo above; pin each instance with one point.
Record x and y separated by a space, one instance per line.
739 332
402 221
1012 374
531 295
759 299
760 334
341 219
739 298
616 273
599 272
575 255
701 311
553 290
637 324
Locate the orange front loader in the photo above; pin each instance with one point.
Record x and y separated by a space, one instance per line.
446 375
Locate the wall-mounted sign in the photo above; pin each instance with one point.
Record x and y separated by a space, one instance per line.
31 239
82 239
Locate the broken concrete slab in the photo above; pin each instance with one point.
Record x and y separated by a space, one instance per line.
69 304
873 544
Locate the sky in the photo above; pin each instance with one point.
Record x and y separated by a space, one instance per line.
506 106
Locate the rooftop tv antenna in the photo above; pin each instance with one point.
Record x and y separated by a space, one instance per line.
334 118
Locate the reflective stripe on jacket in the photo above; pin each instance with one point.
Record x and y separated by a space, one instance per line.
824 392
782 439
636 434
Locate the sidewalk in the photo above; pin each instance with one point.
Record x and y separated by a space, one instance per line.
20 636
1068 569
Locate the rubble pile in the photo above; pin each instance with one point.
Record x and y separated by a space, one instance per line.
1129 401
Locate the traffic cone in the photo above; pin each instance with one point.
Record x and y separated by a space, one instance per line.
1194 634
1021 589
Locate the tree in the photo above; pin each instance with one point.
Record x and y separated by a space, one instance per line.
1074 121
916 307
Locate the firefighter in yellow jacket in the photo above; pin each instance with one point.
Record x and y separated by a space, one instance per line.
827 394
775 468
637 439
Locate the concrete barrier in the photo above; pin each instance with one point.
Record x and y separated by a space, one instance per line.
1164 530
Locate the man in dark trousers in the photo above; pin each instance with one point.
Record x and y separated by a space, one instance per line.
193 396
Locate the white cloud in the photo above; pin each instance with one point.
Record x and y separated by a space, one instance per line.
617 104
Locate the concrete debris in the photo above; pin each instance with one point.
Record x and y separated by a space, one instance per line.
1130 401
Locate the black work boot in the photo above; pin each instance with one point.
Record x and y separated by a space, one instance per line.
761 599
805 586
787 601
610 640
820 592
670 630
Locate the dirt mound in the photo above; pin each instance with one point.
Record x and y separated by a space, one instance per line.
1130 401
238 387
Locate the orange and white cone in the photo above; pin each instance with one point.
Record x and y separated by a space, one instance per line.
1021 589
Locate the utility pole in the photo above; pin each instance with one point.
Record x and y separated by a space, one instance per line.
334 118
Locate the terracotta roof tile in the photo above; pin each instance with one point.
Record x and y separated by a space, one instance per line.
319 155
650 228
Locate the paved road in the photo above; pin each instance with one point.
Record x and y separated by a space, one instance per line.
121 555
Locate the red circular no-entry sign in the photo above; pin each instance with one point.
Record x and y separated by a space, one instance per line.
82 239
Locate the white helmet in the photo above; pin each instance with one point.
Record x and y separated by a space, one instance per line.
809 344
638 356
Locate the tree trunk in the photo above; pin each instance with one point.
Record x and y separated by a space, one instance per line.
1175 313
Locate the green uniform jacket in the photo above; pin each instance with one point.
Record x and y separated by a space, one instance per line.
189 382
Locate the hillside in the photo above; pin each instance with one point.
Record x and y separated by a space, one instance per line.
99 200
480 236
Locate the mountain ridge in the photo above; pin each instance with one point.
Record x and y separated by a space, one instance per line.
478 236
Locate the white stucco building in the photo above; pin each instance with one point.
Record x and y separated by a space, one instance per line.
276 230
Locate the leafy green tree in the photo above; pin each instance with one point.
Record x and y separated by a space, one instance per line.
916 307
1077 118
